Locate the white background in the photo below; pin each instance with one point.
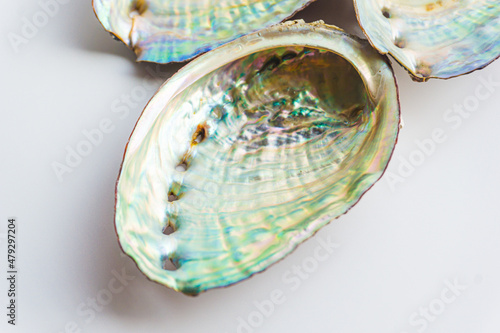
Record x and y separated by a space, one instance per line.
396 249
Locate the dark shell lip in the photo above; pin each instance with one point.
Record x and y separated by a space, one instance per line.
137 50
193 292
414 76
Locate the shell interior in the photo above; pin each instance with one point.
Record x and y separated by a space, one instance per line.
165 31
434 38
228 171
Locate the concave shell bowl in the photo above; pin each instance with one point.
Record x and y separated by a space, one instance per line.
433 38
250 149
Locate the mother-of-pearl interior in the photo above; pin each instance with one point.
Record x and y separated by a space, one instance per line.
243 163
176 30
434 38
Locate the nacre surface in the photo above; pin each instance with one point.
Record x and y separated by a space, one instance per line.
163 31
434 39
251 148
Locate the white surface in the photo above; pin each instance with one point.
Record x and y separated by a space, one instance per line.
396 248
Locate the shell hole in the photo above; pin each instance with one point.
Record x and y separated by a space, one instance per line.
199 135
172 197
386 12
168 230
169 265
181 167
174 192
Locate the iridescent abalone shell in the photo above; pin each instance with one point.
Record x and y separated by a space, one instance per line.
251 148
163 31
434 38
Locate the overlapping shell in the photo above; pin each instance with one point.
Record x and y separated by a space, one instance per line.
434 38
176 30
251 148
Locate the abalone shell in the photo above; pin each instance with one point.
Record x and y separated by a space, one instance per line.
250 149
434 38
163 31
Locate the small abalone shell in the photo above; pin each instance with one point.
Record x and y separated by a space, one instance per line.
251 148
176 30
434 38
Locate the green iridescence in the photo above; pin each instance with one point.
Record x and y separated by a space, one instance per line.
273 145
434 38
175 30
280 133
